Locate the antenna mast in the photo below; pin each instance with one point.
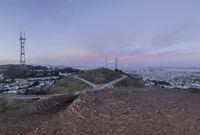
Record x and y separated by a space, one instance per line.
116 63
22 39
106 62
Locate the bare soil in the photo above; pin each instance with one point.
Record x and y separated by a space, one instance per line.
117 111
128 111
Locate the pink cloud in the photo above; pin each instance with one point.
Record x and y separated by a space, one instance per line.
77 53
126 57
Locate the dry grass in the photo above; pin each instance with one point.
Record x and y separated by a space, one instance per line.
3 104
100 75
128 111
131 82
195 90
7 105
22 116
68 85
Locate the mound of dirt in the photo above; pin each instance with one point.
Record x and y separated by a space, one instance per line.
100 75
128 111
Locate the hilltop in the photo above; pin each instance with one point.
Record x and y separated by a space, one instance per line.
100 75
127 111
68 85
72 107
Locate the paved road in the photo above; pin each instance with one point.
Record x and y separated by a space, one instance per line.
96 87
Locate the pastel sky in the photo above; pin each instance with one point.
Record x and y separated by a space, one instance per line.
84 32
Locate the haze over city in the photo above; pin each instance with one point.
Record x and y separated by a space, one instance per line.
83 33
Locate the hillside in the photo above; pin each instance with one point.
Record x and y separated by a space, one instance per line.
21 115
131 82
68 85
121 110
100 75
128 111
128 108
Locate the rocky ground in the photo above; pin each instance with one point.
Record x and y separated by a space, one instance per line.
126 111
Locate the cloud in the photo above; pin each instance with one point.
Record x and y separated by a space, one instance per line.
172 37
77 53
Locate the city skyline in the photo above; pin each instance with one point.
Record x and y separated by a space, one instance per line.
84 33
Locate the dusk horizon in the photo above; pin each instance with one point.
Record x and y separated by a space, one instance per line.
99 67
84 33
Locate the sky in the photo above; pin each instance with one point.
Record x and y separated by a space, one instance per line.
84 32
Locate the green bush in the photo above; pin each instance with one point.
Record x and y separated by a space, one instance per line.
195 90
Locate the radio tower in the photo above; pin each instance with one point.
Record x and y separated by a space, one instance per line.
116 63
106 62
22 50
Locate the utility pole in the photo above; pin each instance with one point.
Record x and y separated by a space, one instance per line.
22 39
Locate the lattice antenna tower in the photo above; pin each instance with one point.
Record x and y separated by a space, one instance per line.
22 40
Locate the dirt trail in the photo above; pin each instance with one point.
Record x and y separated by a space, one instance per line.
97 87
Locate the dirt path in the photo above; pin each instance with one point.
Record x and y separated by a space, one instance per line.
97 87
